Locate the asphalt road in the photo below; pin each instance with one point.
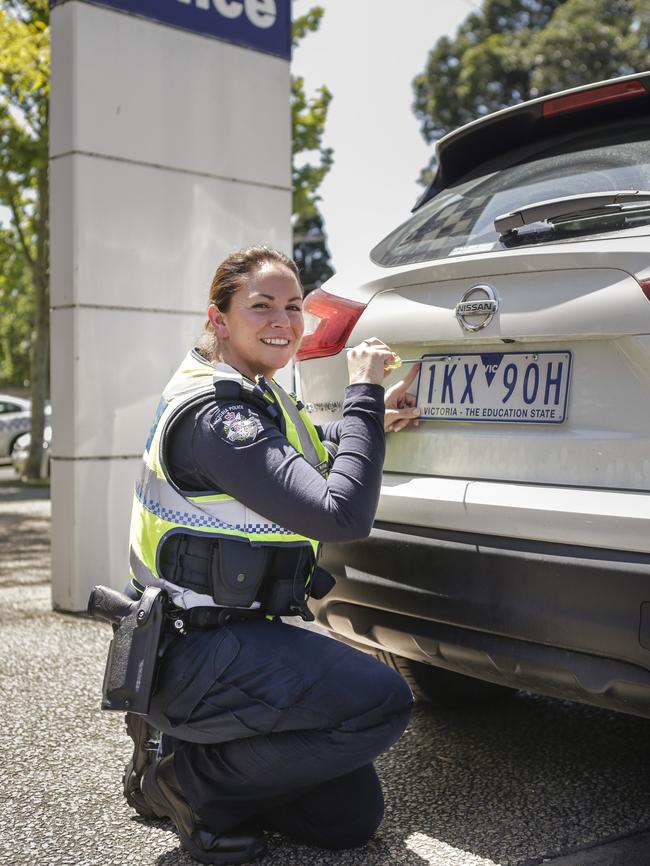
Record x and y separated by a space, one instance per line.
516 783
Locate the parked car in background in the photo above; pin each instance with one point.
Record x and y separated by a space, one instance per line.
20 453
511 547
15 419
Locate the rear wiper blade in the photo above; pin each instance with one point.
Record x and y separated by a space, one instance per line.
568 206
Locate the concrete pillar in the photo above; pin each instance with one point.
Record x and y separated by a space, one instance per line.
169 149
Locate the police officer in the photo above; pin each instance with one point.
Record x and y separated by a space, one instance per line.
265 726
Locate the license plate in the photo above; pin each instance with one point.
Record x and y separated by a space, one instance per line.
520 387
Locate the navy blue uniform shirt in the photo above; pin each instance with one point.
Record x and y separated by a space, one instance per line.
233 447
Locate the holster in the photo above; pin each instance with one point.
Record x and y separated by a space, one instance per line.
133 655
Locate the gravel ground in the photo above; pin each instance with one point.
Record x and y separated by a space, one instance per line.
506 784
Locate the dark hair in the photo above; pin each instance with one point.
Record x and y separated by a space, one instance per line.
233 270
229 277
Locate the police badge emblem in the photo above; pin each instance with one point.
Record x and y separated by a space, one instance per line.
240 428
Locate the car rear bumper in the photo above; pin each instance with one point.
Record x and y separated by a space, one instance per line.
581 516
558 619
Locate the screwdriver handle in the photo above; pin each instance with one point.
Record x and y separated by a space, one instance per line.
397 363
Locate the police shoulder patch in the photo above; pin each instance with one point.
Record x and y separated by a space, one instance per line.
239 425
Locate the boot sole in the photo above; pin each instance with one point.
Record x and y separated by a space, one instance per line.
162 809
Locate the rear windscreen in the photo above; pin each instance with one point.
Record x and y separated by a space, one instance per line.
460 219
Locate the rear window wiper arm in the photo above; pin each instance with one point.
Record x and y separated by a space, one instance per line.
568 206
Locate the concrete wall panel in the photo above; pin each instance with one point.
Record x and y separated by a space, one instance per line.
103 407
63 232
139 236
94 526
143 91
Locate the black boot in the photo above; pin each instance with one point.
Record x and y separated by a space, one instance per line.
162 790
145 746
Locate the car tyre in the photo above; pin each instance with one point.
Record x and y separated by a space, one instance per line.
18 460
442 688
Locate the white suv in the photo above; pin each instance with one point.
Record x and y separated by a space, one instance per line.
512 540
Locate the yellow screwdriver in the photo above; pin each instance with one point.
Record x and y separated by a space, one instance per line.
397 363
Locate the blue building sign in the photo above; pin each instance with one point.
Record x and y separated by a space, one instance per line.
264 25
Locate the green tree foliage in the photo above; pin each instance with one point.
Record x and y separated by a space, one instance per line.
310 163
24 251
310 252
590 40
513 50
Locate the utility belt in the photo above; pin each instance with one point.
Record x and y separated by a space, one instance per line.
142 630
236 574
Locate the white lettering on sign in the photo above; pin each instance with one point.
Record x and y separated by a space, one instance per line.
228 8
260 13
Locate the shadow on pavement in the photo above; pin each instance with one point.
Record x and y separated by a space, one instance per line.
13 490
24 540
521 780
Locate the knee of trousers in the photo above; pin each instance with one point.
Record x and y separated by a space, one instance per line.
383 717
376 739
351 836
357 827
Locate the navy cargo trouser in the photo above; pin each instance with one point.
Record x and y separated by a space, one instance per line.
279 723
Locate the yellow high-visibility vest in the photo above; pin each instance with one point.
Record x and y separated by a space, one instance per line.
161 508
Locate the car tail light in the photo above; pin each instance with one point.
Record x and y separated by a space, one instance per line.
645 288
595 96
328 323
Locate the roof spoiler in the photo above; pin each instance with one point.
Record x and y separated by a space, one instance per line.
533 121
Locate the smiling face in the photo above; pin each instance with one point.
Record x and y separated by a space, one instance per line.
262 327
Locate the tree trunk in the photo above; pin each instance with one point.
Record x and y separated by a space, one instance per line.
40 360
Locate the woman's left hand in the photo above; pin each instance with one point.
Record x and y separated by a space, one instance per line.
400 405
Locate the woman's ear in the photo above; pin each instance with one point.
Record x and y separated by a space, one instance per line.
217 321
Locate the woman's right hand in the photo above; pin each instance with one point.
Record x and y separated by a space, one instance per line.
368 362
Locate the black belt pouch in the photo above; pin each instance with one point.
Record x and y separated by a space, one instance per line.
237 570
133 654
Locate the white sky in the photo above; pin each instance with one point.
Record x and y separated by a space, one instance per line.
368 52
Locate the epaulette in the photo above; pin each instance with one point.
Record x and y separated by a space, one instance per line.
234 386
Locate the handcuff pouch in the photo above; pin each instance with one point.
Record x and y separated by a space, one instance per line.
237 570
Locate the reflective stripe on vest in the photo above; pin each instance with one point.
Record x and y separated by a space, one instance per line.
160 508
305 432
